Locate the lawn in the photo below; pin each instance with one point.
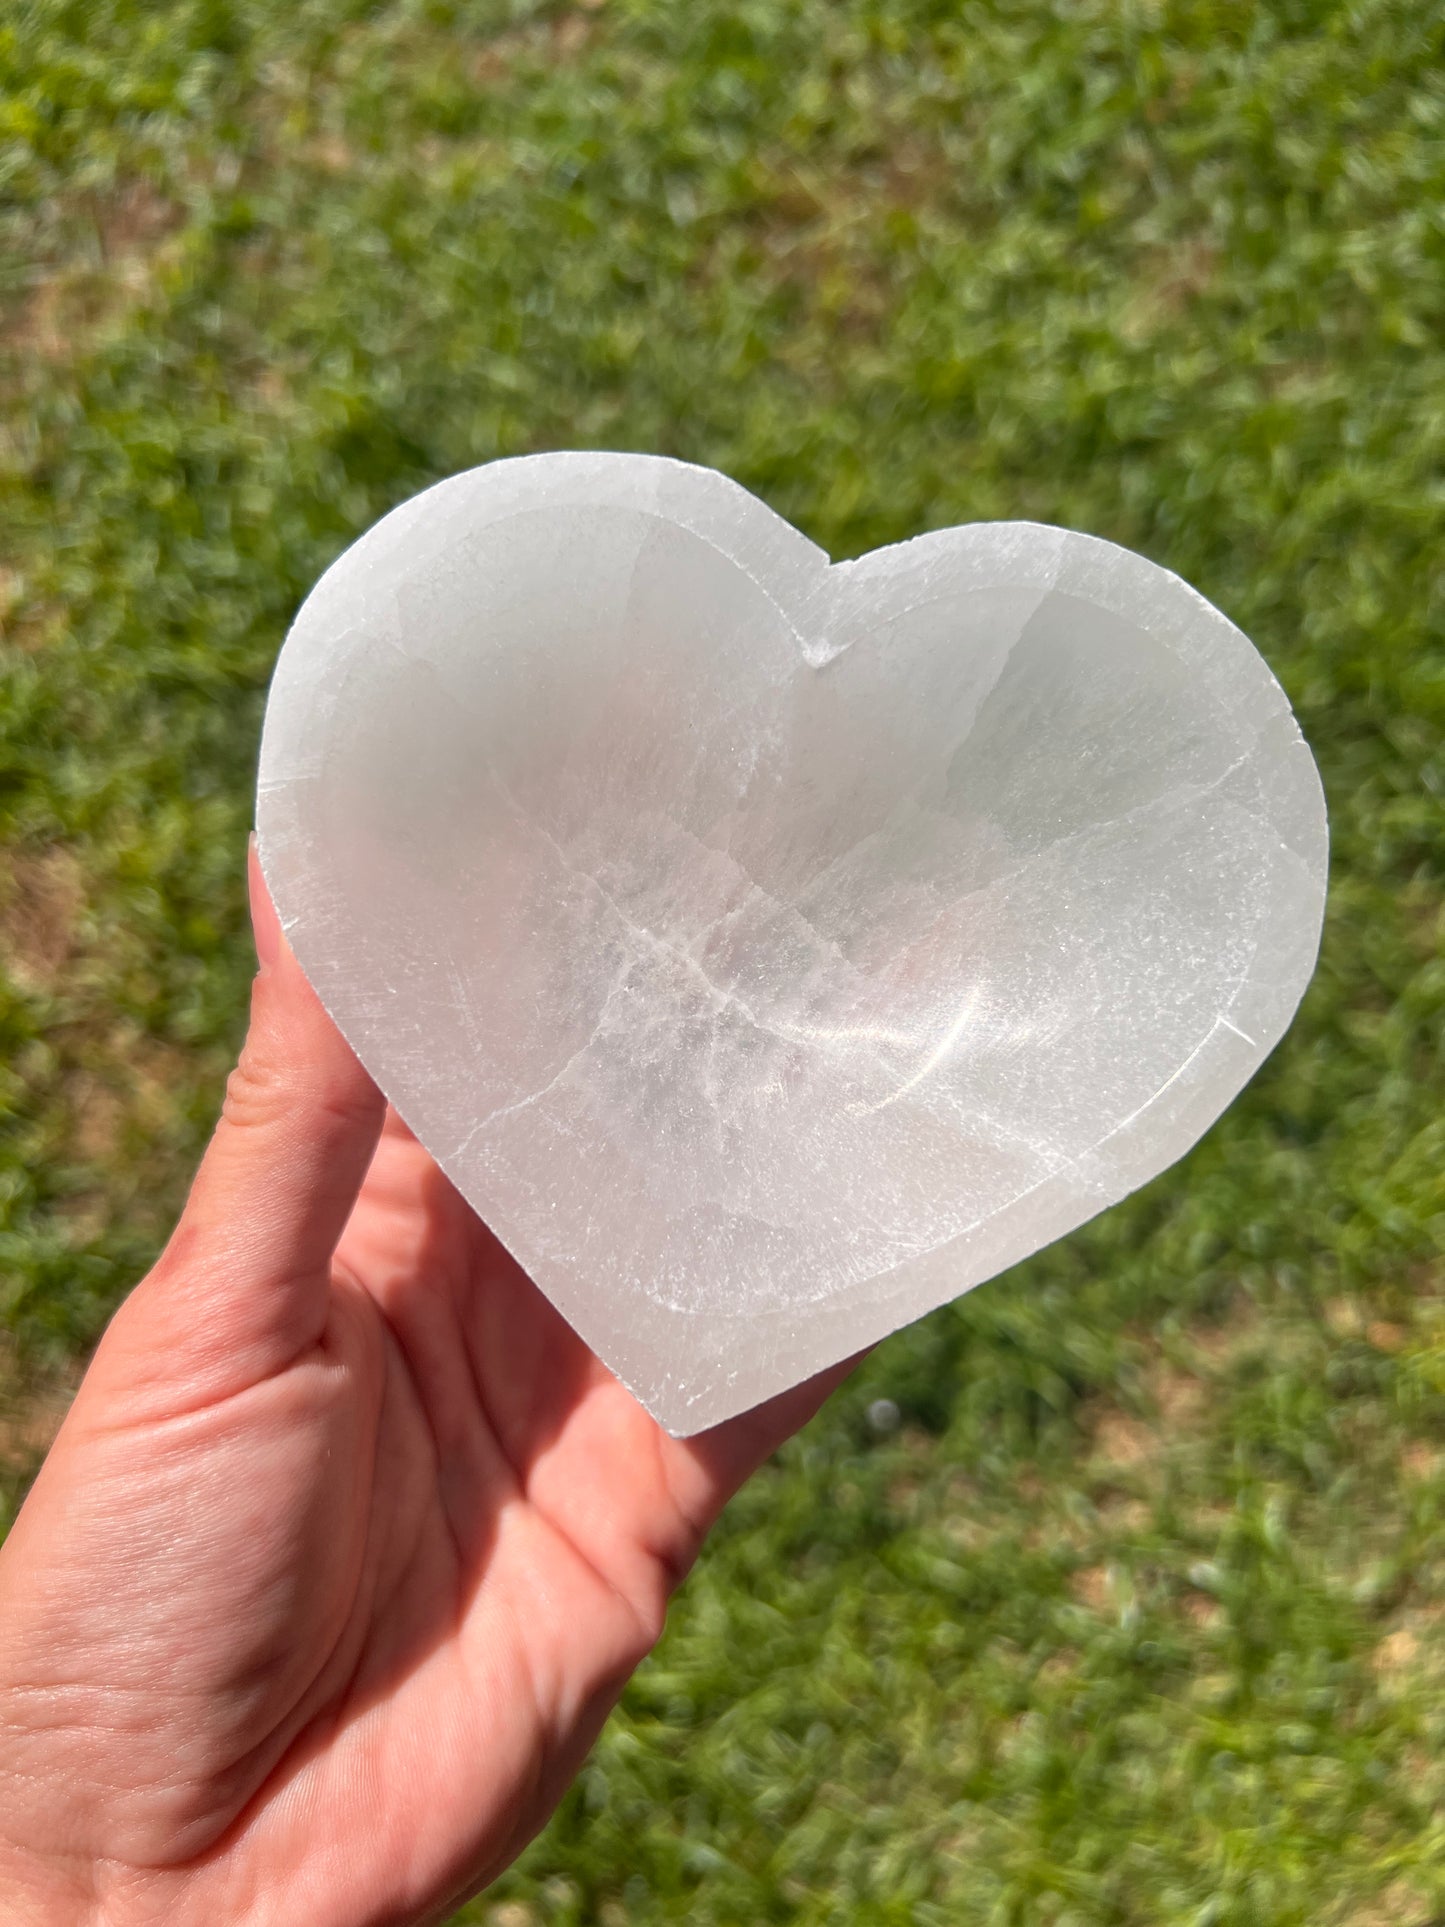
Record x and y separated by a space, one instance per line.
1137 1613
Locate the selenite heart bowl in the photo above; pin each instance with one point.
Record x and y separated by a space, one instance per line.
771 950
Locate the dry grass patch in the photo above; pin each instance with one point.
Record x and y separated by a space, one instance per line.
1400 1905
1123 1441
1412 1652
42 897
1202 1610
69 307
1422 1461
1172 281
1386 1336
1222 1343
1093 1586
1179 1396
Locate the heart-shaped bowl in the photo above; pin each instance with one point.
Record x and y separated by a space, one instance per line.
770 950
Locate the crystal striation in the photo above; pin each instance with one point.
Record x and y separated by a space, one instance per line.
772 950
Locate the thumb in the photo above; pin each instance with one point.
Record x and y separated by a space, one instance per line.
244 1284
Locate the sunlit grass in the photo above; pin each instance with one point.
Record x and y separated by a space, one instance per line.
1137 1616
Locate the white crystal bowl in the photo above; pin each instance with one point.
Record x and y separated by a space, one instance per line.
771 950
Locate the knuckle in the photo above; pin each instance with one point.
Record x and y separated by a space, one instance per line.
256 1096
266 1092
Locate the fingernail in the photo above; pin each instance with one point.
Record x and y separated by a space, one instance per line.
265 924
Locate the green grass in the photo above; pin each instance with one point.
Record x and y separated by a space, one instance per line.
1140 1616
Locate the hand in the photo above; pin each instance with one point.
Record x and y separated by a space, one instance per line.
346 1547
